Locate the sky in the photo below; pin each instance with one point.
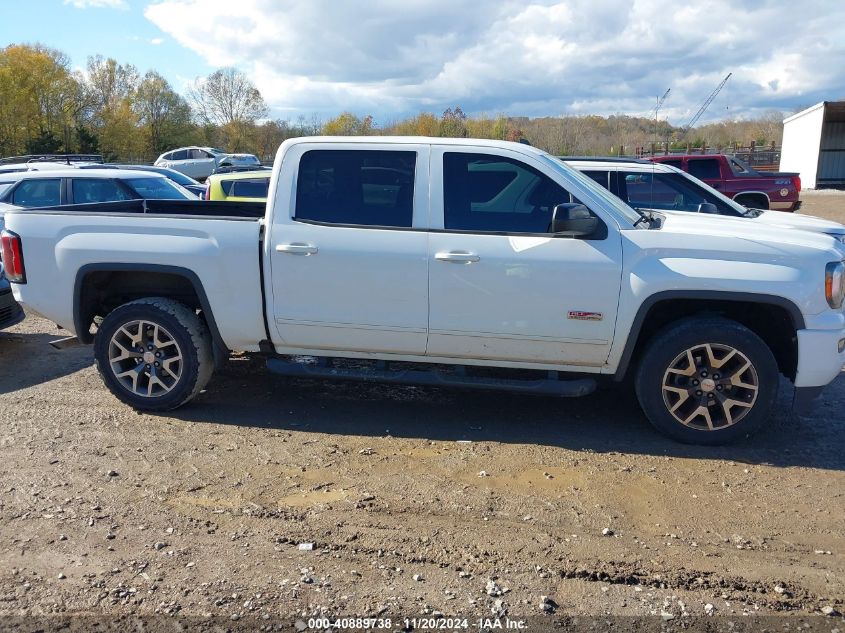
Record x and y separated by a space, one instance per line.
394 58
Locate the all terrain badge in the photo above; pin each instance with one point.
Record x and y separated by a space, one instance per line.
581 315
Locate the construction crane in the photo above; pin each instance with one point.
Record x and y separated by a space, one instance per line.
660 102
704 105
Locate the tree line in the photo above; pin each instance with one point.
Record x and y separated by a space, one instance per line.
112 109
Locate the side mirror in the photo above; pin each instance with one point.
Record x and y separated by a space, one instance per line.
573 219
707 207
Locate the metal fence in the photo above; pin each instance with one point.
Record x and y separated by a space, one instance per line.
760 157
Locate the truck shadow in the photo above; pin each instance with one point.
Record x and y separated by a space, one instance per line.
26 360
243 394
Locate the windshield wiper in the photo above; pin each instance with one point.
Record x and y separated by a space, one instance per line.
644 217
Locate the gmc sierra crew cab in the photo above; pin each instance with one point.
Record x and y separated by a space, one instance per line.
490 263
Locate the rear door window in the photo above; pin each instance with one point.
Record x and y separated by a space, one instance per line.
97 190
359 187
704 168
40 192
181 154
601 177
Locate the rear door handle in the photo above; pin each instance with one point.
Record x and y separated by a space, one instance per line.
297 248
457 257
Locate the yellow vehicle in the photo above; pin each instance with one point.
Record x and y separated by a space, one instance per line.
243 186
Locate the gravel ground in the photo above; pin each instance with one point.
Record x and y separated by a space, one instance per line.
278 497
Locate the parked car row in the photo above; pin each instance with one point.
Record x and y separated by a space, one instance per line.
201 162
658 186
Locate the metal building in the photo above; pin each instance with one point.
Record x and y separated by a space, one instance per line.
814 145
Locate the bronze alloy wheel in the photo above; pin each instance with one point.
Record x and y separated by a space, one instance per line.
145 358
710 387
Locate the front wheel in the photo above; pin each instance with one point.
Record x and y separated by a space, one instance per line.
154 354
707 381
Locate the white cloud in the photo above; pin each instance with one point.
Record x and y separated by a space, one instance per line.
156 41
98 4
392 57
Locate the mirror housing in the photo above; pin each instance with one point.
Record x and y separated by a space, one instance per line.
573 219
707 207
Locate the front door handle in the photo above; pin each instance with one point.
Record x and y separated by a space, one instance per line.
297 248
457 257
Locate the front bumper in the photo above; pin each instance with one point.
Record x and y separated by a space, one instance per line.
820 359
785 206
10 312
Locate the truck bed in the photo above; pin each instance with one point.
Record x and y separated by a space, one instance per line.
193 208
215 245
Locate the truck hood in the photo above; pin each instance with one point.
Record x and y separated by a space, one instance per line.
773 219
799 221
815 234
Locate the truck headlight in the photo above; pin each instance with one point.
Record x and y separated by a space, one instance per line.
834 284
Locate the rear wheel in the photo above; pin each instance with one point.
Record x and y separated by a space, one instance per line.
707 381
154 354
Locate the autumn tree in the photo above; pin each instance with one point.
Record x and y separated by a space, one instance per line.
110 90
163 115
347 124
453 123
39 99
228 99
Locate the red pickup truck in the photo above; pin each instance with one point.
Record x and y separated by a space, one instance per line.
733 178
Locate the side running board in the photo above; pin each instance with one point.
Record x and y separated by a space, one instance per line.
552 385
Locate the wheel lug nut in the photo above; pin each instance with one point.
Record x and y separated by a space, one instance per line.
158 354
148 366
718 387
715 376
157 363
704 374
698 393
695 382
150 347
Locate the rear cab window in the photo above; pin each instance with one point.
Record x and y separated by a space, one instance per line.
246 188
704 168
356 187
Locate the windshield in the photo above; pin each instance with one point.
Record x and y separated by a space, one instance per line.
723 199
627 212
217 150
159 189
177 176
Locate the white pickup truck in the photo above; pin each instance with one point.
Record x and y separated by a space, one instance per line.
490 263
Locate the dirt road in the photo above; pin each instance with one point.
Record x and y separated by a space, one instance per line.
417 501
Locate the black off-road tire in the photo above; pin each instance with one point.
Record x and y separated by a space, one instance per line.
183 326
668 350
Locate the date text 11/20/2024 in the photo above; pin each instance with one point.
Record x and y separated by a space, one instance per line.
419 624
